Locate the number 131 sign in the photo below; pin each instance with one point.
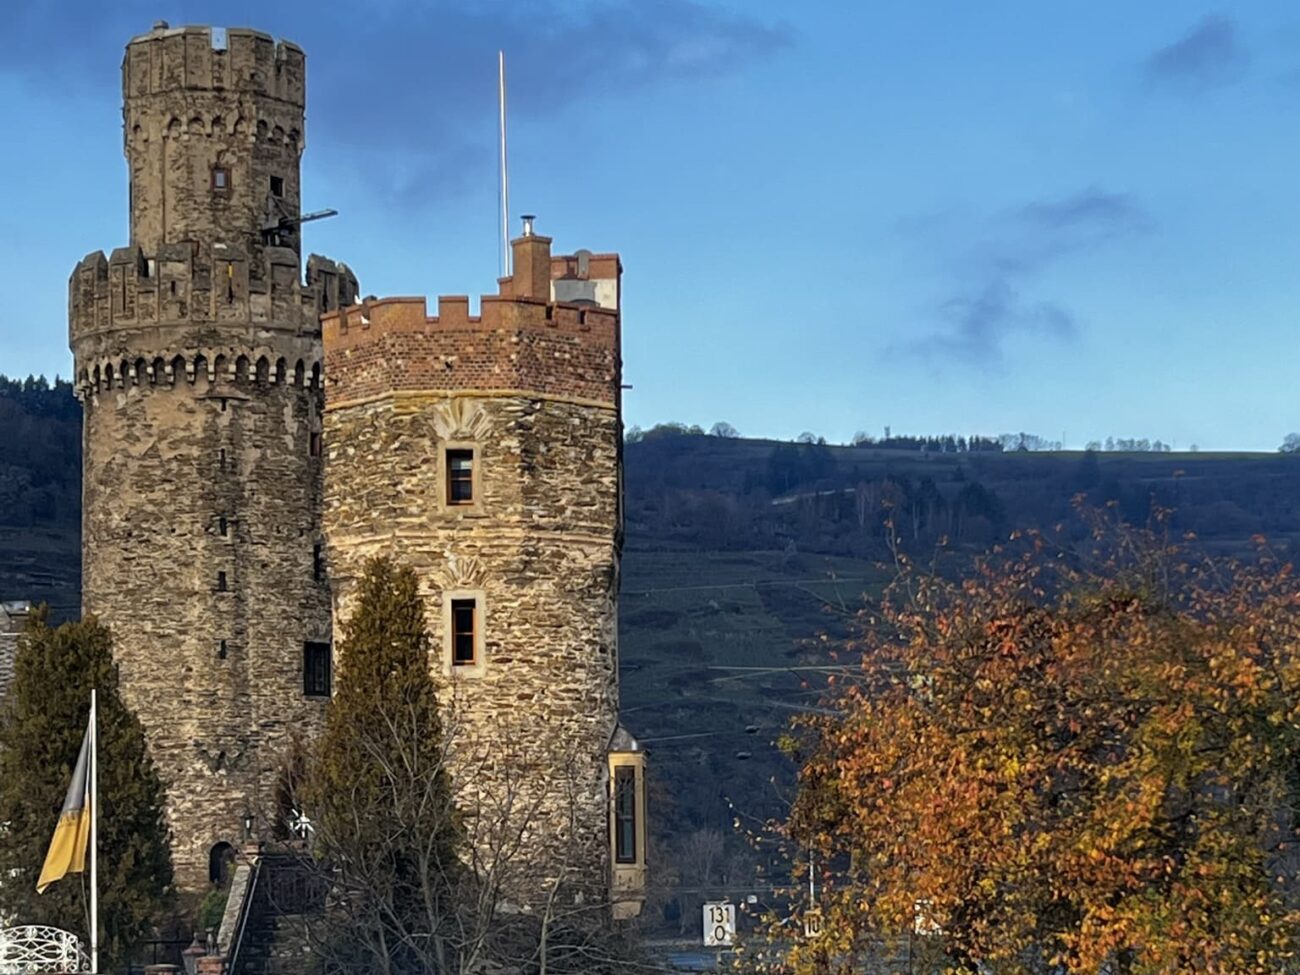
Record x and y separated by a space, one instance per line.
719 925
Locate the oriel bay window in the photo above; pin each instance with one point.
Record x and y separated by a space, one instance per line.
625 814
627 824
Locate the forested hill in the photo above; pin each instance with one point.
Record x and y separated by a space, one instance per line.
740 556
40 493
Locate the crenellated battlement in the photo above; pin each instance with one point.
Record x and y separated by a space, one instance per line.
520 344
522 340
359 324
189 283
197 59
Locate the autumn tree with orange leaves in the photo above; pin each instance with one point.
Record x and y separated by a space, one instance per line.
1065 764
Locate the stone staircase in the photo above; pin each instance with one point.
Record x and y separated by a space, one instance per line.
263 928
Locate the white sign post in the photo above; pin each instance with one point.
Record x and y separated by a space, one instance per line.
719 925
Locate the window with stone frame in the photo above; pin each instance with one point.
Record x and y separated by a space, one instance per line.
464 624
316 667
461 480
221 180
625 824
464 632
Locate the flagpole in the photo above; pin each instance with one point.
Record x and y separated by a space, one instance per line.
94 835
505 179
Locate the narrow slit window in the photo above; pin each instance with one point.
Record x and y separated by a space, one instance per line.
625 824
317 562
464 622
314 444
316 669
223 526
460 477
222 582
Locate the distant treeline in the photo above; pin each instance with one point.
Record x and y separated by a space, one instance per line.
942 444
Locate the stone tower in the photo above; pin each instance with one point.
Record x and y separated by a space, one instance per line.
485 451
198 362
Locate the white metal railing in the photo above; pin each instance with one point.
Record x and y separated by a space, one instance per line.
31 948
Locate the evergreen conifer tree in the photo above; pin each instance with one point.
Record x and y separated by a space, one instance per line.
41 727
379 792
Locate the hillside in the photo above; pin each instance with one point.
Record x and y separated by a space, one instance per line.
744 559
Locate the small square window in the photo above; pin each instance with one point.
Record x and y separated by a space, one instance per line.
460 476
464 621
316 669
277 186
220 180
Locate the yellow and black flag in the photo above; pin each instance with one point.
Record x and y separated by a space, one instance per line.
72 834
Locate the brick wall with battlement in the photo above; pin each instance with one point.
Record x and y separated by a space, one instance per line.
530 388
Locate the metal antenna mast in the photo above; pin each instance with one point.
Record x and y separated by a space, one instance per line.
504 203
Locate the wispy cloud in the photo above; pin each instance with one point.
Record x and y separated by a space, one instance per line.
988 302
408 91
1208 56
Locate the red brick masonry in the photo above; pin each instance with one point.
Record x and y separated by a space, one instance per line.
517 343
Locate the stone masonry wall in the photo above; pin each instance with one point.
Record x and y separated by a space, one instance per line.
192 102
198 360
214 674
541 549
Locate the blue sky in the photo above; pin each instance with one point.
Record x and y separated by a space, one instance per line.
1074 219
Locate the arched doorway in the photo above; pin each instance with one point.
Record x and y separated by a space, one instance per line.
221 864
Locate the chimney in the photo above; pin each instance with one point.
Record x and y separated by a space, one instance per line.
531 274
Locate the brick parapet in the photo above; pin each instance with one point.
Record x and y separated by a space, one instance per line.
519 343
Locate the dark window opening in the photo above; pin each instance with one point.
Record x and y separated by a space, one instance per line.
463 622
221 582
625 814
221 458
173 287
316 669
221 650
317 562
314 444
220 180
460 477
277 186
223 526
221 864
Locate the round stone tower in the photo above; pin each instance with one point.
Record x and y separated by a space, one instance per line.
198 361
485 452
